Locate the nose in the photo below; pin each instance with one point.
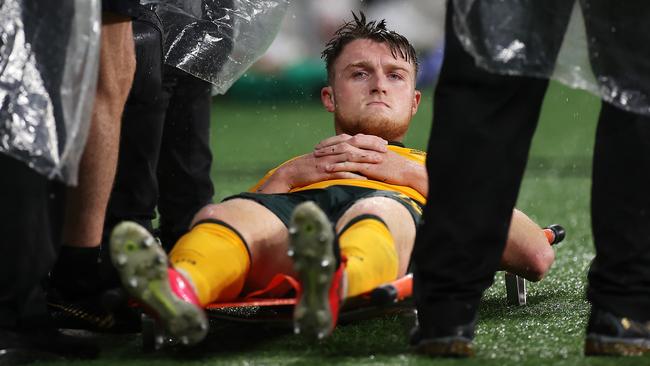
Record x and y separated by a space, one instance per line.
378 85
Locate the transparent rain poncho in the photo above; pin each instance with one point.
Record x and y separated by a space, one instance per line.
597 45
49 53
217 40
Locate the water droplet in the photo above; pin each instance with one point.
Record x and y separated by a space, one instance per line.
121 259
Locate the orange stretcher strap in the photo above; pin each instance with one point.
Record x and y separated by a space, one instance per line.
273 294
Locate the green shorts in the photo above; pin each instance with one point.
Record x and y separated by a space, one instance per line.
334 201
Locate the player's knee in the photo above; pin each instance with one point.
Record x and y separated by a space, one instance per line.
541 263
372 206
208 212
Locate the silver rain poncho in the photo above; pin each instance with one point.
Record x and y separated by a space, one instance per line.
601 46
49 54
217 40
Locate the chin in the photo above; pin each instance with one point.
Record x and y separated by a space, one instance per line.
378 125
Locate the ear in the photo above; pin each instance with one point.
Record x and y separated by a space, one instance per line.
417 96
327 98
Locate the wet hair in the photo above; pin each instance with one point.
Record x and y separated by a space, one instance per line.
376 31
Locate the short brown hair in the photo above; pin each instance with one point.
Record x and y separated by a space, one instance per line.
375 31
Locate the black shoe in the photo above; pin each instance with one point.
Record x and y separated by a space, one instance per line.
610 335
43 345
450 342
108 312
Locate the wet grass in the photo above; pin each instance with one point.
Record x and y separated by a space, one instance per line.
250 138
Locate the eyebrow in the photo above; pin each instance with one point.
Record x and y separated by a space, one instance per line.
366 64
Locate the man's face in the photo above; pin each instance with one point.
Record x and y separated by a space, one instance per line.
372 92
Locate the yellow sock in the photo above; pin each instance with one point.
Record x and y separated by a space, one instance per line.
371 254
215 258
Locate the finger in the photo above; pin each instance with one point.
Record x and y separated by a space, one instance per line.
332 141
347 175
346 166
368 171
345 151
355 156
368 142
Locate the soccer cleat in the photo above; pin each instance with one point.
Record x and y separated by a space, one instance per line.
453 342
320 274
609 335
144 271
105 313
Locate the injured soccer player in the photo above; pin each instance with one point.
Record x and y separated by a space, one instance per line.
340 219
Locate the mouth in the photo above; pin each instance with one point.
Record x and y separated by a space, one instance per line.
378 103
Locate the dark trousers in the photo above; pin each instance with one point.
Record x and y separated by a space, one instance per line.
185 157
477 153
165 155
31 213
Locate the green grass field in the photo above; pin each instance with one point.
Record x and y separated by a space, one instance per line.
250 138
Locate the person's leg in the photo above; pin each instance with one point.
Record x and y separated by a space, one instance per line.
30 212
185 155
230 243
86 203
619 277
135 191
378 221
376 236
372 246
247 238
476 158
84 293
184 169
527 252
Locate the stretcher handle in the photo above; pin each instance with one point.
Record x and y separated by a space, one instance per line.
554 233
397 290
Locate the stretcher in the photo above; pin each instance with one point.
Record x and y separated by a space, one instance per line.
258 308
277 312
